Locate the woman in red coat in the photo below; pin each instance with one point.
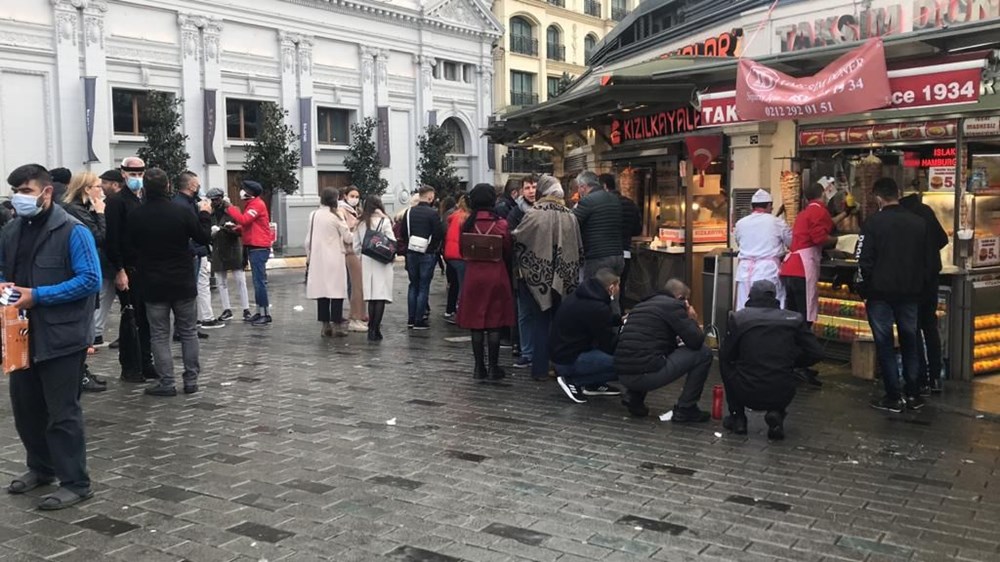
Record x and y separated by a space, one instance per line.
487 305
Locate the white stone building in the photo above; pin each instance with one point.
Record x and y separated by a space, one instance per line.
329 63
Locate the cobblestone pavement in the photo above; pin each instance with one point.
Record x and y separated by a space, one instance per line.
288 454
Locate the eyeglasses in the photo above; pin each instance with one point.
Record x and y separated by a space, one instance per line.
96 185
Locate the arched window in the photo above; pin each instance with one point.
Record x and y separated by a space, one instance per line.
553 44
522 36
454 130
589 42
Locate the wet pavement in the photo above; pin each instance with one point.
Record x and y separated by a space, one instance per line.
300 448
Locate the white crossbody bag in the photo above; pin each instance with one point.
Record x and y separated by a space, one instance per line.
416 244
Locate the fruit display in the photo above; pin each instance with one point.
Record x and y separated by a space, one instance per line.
829 291
843 308
791 187
986 351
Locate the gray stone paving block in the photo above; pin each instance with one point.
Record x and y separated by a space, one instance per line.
874 547
260 532
414 554
38 545
519 534
629 546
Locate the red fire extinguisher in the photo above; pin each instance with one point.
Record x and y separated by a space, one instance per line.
717 395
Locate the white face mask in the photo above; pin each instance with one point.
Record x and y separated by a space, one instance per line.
244 194
353 201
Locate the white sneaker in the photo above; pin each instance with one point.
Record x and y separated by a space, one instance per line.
358 326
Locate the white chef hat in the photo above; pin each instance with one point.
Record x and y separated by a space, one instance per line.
826 182
761 196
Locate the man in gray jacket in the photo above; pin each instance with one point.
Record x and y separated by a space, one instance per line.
600 216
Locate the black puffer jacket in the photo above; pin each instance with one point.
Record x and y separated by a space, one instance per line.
937 238
583 322
762 347
600 218
892 256
97 226
631 220
651 332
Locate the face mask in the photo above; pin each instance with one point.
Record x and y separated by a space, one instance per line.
26 205
353 201
244 195
135 184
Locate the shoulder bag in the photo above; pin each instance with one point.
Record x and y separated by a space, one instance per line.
481 246
416 244
377 245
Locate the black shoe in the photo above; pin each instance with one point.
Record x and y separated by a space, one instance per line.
889 405
636 403
571 391
602 390
214 324
114 344
227 315
522 363
925 390
132 377
159 390
496 373
251 319
99 341
262 321
247 317
736 424
479 372
177 338
690 415
422 326
190 389
775 425
449 317
915 402
90 384
515 350
202 335
149 373
936 386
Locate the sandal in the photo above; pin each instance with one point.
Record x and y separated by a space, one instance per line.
28 482
63 498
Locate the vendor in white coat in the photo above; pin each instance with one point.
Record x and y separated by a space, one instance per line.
762 239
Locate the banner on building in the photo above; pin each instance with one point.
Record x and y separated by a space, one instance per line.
209 127
90 102
854 83
305 131
383 137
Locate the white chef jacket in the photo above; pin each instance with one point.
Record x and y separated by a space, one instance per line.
762 239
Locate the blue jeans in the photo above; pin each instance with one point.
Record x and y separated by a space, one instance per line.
538 335
258 270
590 368
420 269
881 317
526 311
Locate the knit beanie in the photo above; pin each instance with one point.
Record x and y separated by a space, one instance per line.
549 186
483 196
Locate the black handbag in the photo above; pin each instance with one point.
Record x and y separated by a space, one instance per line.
130 350
377 245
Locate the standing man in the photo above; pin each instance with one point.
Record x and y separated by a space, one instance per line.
111 182
631 224
521 334
762 239
227 255
600 216
256 224
124 260
162 232
892 270
50 259
927 320
188 187
421 222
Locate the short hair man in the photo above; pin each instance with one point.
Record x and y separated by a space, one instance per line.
583 336
162 232
661 342
892 271
187 189
600 216
112 181
631 226
421 221
763 347
49 268
762 239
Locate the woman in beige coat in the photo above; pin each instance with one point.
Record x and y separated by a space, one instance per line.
328 242
349 208
376 276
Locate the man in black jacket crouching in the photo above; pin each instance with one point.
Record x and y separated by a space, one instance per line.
763 347
661 342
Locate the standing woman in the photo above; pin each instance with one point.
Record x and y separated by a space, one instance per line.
453 255
349 208
328 241
487 301
376 277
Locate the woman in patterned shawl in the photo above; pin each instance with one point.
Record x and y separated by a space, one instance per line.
548 249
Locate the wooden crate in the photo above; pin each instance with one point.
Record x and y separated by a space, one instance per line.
863 362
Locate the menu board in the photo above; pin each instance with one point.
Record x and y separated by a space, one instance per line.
877 134
941 178
986 251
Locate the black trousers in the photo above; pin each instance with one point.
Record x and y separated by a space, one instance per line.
795 294
453 288
49 419
330 310
739 398
928 336
132 296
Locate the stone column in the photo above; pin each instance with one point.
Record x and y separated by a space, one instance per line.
368 99
96 64
425 88
211 55
309 179
191 92
382 78
484 108
69 94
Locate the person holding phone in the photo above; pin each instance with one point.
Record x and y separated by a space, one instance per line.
50 268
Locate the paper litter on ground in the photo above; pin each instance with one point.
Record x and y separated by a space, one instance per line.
390 422
298 308
667 416
459 339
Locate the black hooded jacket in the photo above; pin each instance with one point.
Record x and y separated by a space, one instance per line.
651 332
584 322
937 238
763 345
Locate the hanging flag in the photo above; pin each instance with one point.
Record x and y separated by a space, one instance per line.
305 131
90 102
383 136
854 83
209 127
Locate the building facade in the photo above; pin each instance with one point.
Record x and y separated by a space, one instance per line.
546 40
74 76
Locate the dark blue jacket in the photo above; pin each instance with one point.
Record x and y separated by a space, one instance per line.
191 203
